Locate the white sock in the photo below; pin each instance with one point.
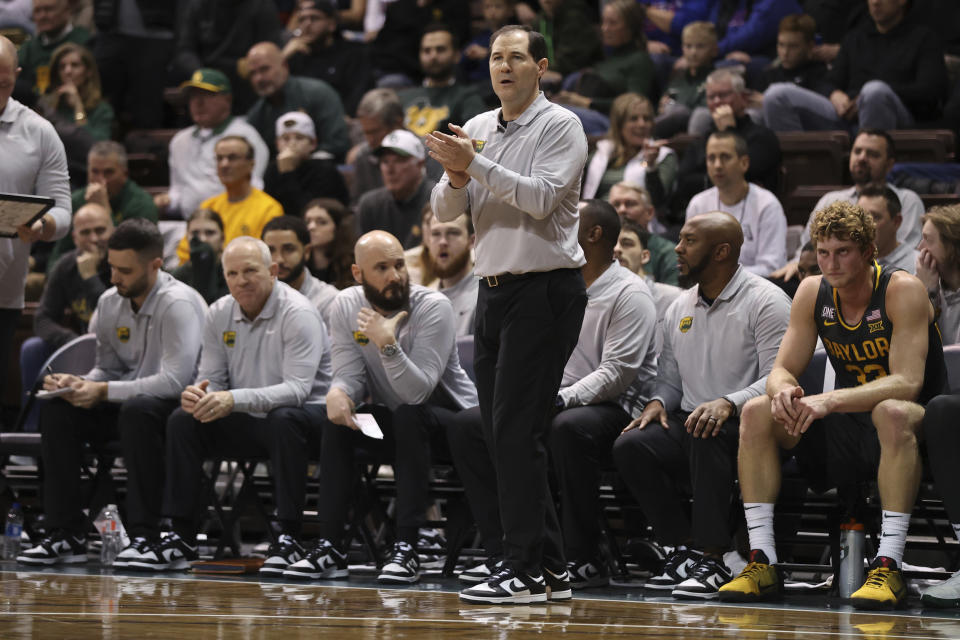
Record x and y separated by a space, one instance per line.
956 529
893 535
760 528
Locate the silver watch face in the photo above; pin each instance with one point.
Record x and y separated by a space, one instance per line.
390 350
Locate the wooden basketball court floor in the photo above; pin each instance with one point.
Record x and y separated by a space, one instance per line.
85 602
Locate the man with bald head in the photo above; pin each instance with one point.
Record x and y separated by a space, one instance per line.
720 338
34 163
264 369
394 343
76 280
281 93
54 28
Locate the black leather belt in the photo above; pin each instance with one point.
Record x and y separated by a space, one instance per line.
504 278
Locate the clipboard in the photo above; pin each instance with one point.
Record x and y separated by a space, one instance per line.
18 209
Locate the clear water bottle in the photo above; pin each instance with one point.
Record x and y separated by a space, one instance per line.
852 541
12 531
110 536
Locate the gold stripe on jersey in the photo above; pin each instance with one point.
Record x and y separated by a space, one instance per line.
836 302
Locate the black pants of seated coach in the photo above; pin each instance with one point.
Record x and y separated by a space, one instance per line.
413 438
285 437
581 439
139 423
664 468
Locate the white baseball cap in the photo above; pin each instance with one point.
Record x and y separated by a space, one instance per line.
402 142
296 122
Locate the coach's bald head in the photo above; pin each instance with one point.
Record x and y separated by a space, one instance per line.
9 70
709 250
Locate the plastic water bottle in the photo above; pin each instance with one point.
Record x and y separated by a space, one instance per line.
852 539
110 536
12 531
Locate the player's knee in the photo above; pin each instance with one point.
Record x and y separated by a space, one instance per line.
755 421
894 422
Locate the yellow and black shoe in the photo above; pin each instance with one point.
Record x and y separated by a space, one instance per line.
884 588
758 581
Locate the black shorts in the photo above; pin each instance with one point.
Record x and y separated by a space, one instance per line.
841 449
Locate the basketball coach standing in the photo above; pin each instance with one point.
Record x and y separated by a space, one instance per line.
516 170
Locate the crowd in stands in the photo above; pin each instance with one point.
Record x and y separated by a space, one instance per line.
306 274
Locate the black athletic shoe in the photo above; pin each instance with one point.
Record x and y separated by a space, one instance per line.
133 551
507 587
585 574
169 554
59 547
322 562
676 568
481 572
403 567
281 554
557 585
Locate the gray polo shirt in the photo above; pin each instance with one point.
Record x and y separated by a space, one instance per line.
320 293
32 162
426 370
663 296
274 360
152 351
725 349
523 192
902 257
463 297
949 319
615 357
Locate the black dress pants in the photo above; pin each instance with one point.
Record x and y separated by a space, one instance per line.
665 467
281 437
526 330
941 430
139 424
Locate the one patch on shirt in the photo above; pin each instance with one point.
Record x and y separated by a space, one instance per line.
873 316
230 338
478 145
685 324
875 326
828 313
361 338
123 334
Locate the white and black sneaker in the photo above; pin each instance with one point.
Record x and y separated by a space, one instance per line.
585 574
403 567
557 585
507 586
133 551
705 580
676 569
281 554
481 572
59 547
432 547
168 554
321 562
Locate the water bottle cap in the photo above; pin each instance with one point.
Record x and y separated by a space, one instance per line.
852 525
113 525
15 505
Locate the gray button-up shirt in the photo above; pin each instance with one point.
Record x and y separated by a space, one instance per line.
615 357
725 349
274 360
152 351
32 162
425 370
523 192
320 293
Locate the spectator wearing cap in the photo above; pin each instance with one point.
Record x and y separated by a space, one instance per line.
281 93
317 50
396 207
193 168
243 208
297 175
218 33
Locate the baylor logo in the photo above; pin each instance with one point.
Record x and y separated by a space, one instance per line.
123 334
230 338
685 324
361 338
478 145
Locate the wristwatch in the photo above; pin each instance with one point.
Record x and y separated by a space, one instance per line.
390 350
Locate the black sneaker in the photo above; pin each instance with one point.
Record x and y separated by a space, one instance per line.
137 547
705 580
403 567
557 585
281 554
507 587
431 545
168 554
481 572
676 569
59 547
321 562
585 574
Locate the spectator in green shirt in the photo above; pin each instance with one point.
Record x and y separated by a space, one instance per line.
73 99
54 27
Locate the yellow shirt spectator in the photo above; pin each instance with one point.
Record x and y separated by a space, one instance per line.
243 218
